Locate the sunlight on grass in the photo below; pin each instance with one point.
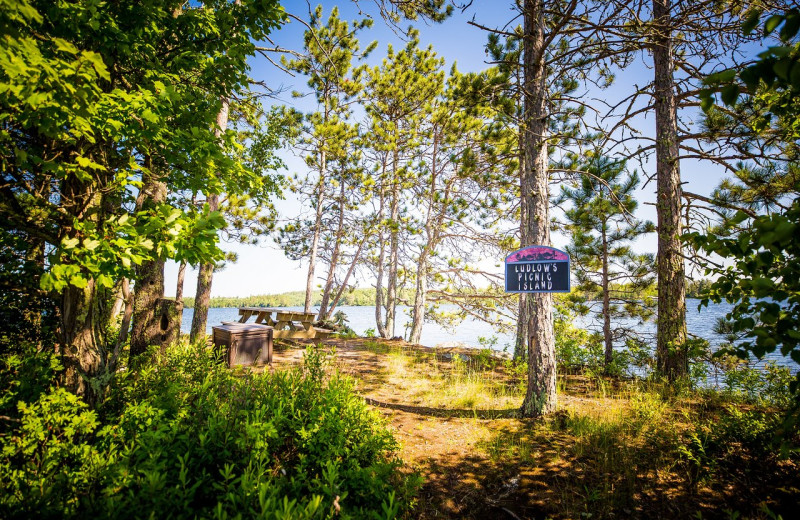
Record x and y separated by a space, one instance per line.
451 384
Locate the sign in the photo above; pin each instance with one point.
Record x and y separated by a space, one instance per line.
537 269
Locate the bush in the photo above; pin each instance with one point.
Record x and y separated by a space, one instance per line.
185 437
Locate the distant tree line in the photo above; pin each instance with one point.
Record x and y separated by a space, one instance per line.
365 297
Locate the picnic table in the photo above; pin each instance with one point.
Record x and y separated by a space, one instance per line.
285 323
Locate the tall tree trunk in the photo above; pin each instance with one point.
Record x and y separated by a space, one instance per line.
80 346
205 275
540 397
179 290
337 247
323 172
149 287
312 259
81 315
379 301
179 305
119 301
606 306
202 297
671 359
394 246
521 343
127 298
347 277
431 225
521 339
418 316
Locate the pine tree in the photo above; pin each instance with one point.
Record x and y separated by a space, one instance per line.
560 53
601 224
459 183
397 97
686 41
330 51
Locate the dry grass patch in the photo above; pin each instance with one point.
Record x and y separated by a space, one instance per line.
615 449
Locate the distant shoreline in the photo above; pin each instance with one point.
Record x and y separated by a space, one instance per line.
355 297
360 298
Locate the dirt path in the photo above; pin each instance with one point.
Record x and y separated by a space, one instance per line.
454 412
447 446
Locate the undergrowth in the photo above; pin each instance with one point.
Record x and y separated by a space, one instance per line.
184 437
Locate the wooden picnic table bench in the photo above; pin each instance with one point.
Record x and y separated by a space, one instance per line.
285 323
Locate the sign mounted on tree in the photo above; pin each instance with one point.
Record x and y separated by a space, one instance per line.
536 269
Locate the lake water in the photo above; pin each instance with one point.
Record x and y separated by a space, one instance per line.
699 322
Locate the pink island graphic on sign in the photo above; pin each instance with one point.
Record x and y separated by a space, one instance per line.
537 254
537 269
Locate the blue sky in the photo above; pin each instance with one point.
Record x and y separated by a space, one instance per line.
263 269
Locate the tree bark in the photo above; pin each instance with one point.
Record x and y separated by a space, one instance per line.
671 358
82 317
119 301
419 298
337 247
149 286
179 290
540 397
202 297
125 290
379 302
609 347
521 345
79 344
149 289
312 260
35 256
205 275
394 246
347 277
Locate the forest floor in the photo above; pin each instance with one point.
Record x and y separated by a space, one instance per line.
614 449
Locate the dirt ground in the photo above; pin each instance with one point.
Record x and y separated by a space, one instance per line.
456 452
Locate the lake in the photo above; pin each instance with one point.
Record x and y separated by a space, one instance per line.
699 322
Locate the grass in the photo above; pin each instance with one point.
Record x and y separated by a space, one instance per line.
447 380
614 449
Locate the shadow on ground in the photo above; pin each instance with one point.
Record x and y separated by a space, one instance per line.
446 412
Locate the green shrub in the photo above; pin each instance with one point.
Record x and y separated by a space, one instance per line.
185 437
576 349
741 381
24 376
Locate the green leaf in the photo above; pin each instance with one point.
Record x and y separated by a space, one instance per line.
751 22
103 280
97 63
782 67
730 94
750 78
794 75
49 283
771 23
792 25
63 45
69 243
706 101
90 244
78 281
725 76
